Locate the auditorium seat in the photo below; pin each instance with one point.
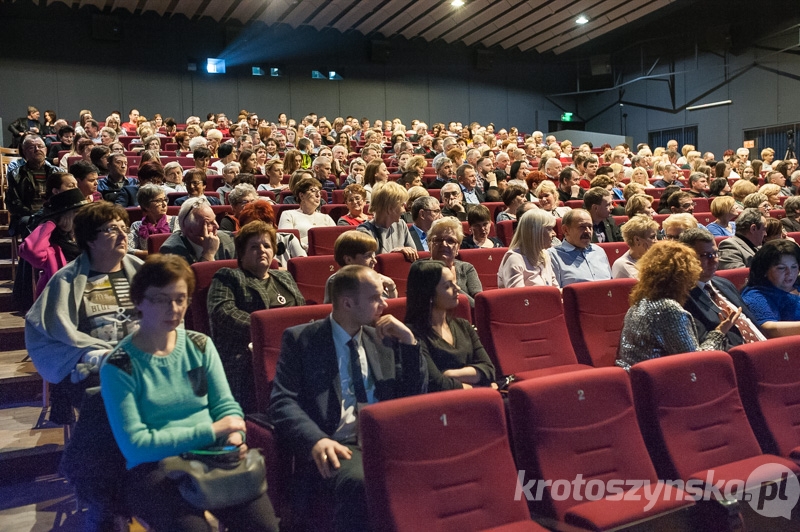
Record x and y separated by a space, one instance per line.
266 333
196 318
702 205
453 471
575 204
154 242
261 436
524 332
396 267
311 274
397 308
777 213
614 250
213 182
321 239
279 208
486 262
505 231
703 218
266 194
584 424
659 218
694 423
738 276
338 196
769 383
595 313
334 210
794 236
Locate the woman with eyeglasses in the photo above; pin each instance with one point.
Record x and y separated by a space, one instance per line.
354 196
165 393
85 309
444 241
307 192
155 221
235 293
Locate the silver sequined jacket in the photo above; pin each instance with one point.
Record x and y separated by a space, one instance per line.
653 329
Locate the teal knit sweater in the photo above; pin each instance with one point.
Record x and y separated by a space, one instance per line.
164 406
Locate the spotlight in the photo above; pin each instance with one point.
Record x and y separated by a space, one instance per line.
333 76
258 71
215 66
275 72
316 74
581 20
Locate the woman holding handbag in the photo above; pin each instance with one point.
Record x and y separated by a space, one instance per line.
166 394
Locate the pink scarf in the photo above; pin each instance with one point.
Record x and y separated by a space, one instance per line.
147 228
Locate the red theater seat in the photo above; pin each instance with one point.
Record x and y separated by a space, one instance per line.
321 239
396 267
738 276
453 471
505 231
595 313
311 274
524 332
584 424
614 250
154 242
486 262
197 315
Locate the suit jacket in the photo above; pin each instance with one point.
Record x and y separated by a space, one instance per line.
177 244
306 400
791 226
704 312
416 239
611 230
735 252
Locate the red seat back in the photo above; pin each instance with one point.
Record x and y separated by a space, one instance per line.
278 209
266 332
769 383
738 276
523 328
486 262
397 308
197 315
311 274
396 267
595 313
592 432
614 250
702 205
413 485
321 239
691 414
703 218
505 231
154 242
334 211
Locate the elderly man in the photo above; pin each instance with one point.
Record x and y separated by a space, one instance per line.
569 187
576 260
444 172
502 162
598 202
552 169
199 238
327 371
714 294
27 183
368 153
452 201
468 181
738 251
424 211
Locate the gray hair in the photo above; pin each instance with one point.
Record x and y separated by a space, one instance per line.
747 219
241 191
186 214
424 202
319 161
148 193
169 166
690 237
695 177
197 142
792 206
230 166
438 163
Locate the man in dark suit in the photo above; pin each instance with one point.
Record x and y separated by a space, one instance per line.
711 291
598 201
468 180
315 401
199 239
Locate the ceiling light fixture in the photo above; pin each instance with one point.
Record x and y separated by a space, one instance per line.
581 20
457 3
707 105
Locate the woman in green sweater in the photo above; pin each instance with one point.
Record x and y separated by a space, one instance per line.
165 393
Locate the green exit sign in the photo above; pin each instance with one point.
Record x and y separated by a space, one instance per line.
566 117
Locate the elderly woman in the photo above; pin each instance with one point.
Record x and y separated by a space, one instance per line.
173 177
107 136
526 263
288 245
354 198
773 194
229 173
242 195
639 204
456 358
759 201
547 192
772 288
273 169
306 217
723 208
375 173
387 226
480 225
656 324
84 310
639 233
444 241
792 219
165 393
235 293
513 196
155 221
676 224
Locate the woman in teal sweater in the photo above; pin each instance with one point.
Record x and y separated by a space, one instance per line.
166 393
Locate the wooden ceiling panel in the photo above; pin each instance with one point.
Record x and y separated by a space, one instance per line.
405 17
301 12
275 10
381 16
459 16
434 17
330 12
350 18
246 10
486 16
130 6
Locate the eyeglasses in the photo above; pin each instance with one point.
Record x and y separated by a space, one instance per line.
114 230
449 194
166 301
162 201
711 255
445 240
314 191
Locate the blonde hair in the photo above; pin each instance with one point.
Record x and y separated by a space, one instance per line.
444 224
636 204
742 188
639 225
682 220
769 189
631 189
722 205
532 235
645 176
385 195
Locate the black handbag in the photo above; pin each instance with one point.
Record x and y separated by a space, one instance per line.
211 479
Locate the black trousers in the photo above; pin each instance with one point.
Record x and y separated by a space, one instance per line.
156 499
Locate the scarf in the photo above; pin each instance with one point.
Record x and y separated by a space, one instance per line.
147 228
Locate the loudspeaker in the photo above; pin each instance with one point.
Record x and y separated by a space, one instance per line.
106 28
484 60
379 51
